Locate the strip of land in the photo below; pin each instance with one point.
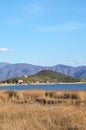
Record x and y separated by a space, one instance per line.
12 84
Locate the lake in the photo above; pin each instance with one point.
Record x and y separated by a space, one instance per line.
46 87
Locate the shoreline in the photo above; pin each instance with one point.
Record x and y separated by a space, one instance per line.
41 84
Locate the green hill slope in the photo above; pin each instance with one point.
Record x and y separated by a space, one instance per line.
45 76
51 76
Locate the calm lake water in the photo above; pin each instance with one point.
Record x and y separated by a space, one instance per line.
46 87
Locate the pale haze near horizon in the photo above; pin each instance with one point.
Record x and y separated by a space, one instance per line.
43 32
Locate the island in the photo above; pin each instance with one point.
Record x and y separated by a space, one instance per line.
42 77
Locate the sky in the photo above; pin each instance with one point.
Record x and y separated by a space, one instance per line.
43 32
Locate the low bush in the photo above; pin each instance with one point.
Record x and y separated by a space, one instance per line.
12 93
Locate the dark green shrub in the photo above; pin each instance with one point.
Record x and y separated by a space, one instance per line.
12 93
66 95
74 96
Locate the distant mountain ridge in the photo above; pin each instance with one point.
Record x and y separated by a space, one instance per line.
8 70
4 64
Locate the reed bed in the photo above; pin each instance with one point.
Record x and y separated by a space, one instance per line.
16 114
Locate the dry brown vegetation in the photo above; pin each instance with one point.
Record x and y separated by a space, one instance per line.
42 110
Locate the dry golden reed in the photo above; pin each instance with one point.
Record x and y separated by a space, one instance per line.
19 110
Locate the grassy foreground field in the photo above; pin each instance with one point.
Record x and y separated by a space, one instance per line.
42 110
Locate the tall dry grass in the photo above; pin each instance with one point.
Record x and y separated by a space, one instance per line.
20 111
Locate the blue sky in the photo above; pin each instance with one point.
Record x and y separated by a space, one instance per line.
43 32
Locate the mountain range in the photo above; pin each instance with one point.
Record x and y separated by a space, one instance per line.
8 70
